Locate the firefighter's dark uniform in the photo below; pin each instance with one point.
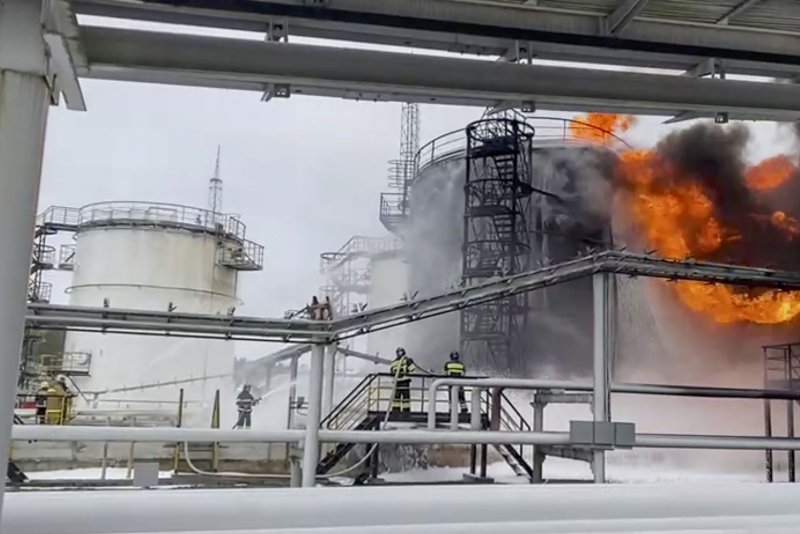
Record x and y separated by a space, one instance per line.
244 403
401 369
455 368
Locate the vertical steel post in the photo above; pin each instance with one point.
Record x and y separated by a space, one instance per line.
600 405
475 424
538 426
329 374
291 408
313 417
768 417
454 408
176 459
215 420
790 432
23 116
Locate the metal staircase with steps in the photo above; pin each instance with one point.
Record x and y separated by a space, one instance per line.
368 407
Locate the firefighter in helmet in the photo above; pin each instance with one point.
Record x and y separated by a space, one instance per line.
456 369
401 368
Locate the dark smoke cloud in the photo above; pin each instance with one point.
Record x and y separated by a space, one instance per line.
712 157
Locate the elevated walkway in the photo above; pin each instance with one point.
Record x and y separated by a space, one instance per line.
368 406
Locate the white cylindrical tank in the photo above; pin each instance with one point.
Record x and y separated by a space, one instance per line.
152 257
388 284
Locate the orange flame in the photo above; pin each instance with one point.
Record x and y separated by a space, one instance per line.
677 219
770 173
599 127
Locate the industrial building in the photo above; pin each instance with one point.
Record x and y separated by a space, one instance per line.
502 243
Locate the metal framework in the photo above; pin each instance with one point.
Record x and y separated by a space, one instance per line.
394 204
496 242
347 272
781 370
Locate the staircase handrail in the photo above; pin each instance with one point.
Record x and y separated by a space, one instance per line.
348 399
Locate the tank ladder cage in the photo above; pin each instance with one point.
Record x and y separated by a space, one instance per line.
496 240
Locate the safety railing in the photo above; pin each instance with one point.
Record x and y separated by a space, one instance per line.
393 208
59 217
44 256
175 215
245 256
66 257
358 246
68 363
374 394
40 292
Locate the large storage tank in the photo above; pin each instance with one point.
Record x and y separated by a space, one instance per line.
148 256
571 192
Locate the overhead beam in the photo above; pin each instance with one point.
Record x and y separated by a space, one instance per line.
623 15
464 21
739 9
460 43
200 60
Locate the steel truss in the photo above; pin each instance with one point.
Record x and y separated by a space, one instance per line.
108 320
497 209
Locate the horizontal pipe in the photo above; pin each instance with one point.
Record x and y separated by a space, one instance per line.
138 324
740 443
150 435
508 383
426 437
710 507
201 435
635 389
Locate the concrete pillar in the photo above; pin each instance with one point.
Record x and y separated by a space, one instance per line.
23 115
313 417
601 399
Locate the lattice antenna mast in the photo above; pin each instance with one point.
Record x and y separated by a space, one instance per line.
215 188
409 145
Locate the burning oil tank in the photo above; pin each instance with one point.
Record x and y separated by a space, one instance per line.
503 196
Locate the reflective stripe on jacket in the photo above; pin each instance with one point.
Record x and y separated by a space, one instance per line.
455 369
402 367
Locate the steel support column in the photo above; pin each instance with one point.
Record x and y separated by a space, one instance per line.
538 451
600 406
329 379
311 443
23 115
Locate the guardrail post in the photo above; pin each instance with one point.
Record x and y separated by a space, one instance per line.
538 426
313 417
601 399
475 424
454 408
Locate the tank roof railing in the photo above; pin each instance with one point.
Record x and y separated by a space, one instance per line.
160 214
548 130
135 213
